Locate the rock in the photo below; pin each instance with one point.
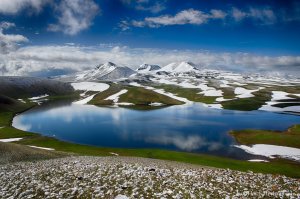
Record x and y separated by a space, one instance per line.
121 197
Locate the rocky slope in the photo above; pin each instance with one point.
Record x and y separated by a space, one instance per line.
121 177
24 87
144 68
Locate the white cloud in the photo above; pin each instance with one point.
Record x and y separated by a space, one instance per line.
262 15
14 6
238 15
217 14
153 6
26 60
188 143
189 16
74 16
157 7
266 15
9 42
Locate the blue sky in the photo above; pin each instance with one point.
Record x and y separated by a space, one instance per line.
262 30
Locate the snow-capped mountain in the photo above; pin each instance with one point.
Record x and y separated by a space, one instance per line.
179 67
144 68
107 71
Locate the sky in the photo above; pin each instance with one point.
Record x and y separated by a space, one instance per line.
52 37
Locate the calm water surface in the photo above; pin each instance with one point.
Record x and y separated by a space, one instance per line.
191 128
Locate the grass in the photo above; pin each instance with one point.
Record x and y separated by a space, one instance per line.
141 97
5 118
249 104
99 99
7 111
290 137
278 166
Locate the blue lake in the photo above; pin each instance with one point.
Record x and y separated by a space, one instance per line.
192 128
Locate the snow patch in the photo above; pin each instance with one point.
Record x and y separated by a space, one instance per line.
269 107
156 104
222 99
209 91
112 153
245 93
181 67
10 139
38 97
21 100
271 151
90 86
124 104
44 148
163 92
216 106
85 100
279 95
257 160
212 93
115 97
224 84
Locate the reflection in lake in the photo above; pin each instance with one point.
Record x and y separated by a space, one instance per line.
185 128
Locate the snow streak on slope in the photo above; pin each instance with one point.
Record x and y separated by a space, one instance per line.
115 97
89 86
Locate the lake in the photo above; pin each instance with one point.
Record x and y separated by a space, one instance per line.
192 128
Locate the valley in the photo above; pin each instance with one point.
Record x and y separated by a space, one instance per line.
191 115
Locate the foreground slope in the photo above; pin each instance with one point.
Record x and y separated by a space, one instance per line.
123 177
10 152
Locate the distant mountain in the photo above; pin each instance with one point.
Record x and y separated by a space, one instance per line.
179 67
144 68
24 87
107 71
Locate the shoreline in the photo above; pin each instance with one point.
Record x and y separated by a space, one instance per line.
283 167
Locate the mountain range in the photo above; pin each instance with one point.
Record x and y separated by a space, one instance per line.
111 71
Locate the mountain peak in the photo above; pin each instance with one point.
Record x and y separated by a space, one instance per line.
147 67
180 67
106 64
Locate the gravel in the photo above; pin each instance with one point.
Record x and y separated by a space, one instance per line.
126 177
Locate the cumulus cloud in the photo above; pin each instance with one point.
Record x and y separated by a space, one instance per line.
74 16
9 42
14 6
27 60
